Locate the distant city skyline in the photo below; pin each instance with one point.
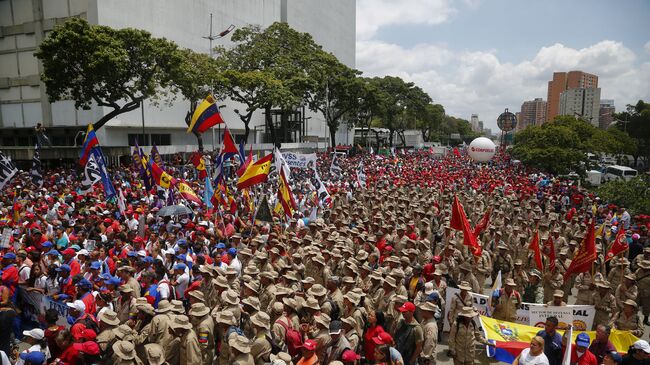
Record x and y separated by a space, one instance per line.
472 63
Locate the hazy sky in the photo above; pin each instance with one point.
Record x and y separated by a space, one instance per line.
481 56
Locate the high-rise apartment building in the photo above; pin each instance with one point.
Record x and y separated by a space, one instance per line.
474 122
606 114
582 103
533 112
563 81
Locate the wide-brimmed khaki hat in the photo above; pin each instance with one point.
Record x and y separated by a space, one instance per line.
198 295
428 306
510 282
464 285
465 266
281 356
163 306
468 312
323 319
154 354
240 343
124 350
226 317
253 302
230 296
181 321
603 284
353 297
261 319
630 302
390 281
177 307
644 264
110 317
350 321
145 308
311 303
290 302
558 293
199 310
317 290
123 332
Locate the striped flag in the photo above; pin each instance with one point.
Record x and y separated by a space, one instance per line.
36 171
90 177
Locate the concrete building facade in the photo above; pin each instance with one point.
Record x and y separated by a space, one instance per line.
533 112
25 23
563 81
474 122
606 114
583 103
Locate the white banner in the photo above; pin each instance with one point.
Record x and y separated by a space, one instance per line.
582 316
300 160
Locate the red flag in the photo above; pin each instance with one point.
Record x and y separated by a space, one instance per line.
199 164
456 152
228 148
619 245
248 161
586 254
459 222
485 221
549 251
534 246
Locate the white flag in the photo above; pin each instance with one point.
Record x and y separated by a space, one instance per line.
566 360
121 202
91 176
7 170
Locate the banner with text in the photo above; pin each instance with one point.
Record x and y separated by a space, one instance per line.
300 160
34 304
581 316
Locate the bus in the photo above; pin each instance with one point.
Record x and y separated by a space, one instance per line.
614 172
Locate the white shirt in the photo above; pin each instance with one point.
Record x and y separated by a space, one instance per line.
183 281
526 358
34 348
236 264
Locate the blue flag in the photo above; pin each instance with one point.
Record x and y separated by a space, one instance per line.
109 190
208 192
218 169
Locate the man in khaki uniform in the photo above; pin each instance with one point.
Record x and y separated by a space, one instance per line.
204 328
160 329
643 283
430 329
241 350
467 275
558 299
459 301
520 276
626 290
125 305
506 304
107 325
261 346
463 336
604 303
628 319
190 350
586 284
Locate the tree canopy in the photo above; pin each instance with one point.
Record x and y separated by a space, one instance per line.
114 68
635 122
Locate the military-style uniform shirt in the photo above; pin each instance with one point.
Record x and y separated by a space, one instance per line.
605 307
105 337
584 283
457 304
205 335
462 342
505 308
624 293
125 309
521 279
614 276
243 359
533 294
261 348
632 323
643 283
190 350
430 329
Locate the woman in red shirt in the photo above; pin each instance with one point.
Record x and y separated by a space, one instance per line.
375 327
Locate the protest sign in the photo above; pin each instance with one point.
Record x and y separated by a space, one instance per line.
300 160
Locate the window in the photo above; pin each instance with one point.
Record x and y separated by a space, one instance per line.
142 139
161 139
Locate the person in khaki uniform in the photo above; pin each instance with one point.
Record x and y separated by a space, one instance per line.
507 302
267 293
558 299
520 276
351 333
107 326
124 354
240 351
430 329
203 325
464 336
125 307
261 346
226 322
460 300
620 269
628 319
467 275
190 350
154 354
604 302
160 329
626 290
552 281
585 283
483 268
643 283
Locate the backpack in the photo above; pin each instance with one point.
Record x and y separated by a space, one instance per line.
335 312
292 337
232 329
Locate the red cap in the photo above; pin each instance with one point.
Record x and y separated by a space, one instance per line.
310 345
383 338
88 347
68 251
407 307
108 220
349 355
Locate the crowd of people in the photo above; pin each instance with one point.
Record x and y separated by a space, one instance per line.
363 282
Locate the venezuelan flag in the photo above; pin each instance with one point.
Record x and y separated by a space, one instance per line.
89 143
205 116
511 338
256 173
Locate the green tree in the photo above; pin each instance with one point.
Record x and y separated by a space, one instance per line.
633 194
397 104
270 68
635 122
113 68
430 120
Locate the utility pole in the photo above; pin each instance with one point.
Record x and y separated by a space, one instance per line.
210 52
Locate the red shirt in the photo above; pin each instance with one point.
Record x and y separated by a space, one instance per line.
89 301
10 278
70 356
368 344
586 359
75 267
50 335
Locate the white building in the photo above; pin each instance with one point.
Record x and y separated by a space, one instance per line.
581 102
25 23
474 122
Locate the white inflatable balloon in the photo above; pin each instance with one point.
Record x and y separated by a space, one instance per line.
481 149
